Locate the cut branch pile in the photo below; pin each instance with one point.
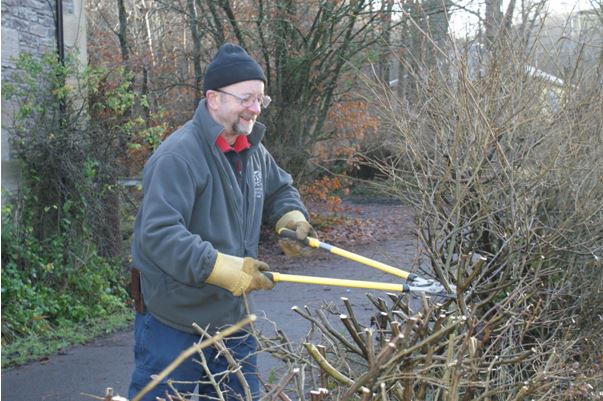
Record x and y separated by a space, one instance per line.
433 353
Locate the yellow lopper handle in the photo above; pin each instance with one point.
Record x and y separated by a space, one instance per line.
314 243
372 285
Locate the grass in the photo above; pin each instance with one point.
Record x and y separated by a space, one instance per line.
36 347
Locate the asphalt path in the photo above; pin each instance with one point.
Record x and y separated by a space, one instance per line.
108 361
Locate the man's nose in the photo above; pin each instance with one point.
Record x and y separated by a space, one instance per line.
255 107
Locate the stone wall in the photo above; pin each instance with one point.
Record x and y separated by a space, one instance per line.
28 26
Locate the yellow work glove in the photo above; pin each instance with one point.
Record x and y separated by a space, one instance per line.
239 275
296 221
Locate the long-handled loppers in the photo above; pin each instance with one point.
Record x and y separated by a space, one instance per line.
417 284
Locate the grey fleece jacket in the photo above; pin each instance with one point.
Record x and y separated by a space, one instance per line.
193 207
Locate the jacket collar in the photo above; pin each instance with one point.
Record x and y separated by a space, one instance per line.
211 129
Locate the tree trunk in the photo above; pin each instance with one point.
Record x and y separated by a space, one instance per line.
492 20
194 26
216 22
147 29
109 233
385 48
122 34
233 22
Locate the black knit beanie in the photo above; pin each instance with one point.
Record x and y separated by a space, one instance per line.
230 65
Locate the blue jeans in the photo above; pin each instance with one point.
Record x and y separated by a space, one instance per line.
157 345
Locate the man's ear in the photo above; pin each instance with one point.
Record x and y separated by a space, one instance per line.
212 99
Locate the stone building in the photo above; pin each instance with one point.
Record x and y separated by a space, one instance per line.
30 26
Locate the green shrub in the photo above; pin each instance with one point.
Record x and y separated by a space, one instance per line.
40 290
70 130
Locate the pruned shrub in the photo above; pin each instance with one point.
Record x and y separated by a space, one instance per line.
507 189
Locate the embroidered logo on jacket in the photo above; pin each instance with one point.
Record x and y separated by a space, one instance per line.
258 185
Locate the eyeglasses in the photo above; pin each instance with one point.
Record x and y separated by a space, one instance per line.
249 100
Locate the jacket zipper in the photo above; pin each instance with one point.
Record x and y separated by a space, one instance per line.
227 182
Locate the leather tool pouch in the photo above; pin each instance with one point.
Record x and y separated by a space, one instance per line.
136 291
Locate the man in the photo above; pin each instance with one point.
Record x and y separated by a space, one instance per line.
207 189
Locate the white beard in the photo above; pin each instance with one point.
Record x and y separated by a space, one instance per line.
243 129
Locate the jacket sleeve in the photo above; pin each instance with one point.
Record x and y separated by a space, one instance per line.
280 194
161 237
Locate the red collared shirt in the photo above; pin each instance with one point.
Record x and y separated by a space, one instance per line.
241 143
234 154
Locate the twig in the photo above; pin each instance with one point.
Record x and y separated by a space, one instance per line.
327 329
352 330
370 348
191 351
366 394
277 390
211 377
234 365
324 378
348 307
326 366
383 389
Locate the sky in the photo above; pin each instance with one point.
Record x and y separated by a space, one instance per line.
462 22
568 5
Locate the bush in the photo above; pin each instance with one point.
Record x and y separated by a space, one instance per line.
507 190
42 289
70 130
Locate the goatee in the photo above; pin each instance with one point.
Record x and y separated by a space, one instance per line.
242 129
